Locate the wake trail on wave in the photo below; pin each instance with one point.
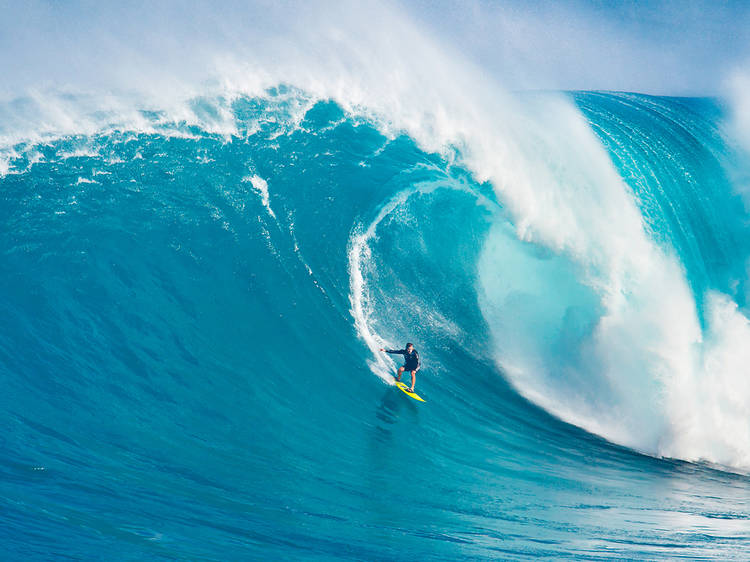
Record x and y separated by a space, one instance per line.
361 266
361 305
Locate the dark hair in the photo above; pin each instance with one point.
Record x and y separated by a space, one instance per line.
409 344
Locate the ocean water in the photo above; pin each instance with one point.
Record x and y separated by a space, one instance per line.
193 305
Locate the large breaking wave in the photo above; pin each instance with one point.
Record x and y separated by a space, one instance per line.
194 301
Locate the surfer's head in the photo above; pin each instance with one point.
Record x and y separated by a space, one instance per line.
409 347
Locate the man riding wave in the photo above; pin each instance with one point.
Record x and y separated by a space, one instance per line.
411 362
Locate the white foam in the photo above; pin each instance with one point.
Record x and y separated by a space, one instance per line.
261 186
709 399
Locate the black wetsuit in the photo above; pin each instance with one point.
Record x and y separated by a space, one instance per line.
411 360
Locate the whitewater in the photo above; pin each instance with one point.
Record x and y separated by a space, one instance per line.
197 280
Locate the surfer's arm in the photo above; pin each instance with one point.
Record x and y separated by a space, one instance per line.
419 362
395 351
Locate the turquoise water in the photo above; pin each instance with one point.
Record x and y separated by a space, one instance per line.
191 319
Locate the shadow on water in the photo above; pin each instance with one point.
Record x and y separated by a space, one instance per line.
391 406
394 409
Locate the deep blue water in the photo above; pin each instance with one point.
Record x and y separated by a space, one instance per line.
190 317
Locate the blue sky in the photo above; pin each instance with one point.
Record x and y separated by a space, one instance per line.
674 47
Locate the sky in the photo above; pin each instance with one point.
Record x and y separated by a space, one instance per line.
671 48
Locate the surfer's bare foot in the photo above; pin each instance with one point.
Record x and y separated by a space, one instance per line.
411 390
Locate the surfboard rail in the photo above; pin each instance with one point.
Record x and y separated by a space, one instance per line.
405 390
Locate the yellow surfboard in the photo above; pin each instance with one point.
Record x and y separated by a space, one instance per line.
405 389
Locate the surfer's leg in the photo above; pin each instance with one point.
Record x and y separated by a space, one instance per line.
400 371
413 378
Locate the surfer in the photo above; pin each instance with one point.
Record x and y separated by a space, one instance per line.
411 362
